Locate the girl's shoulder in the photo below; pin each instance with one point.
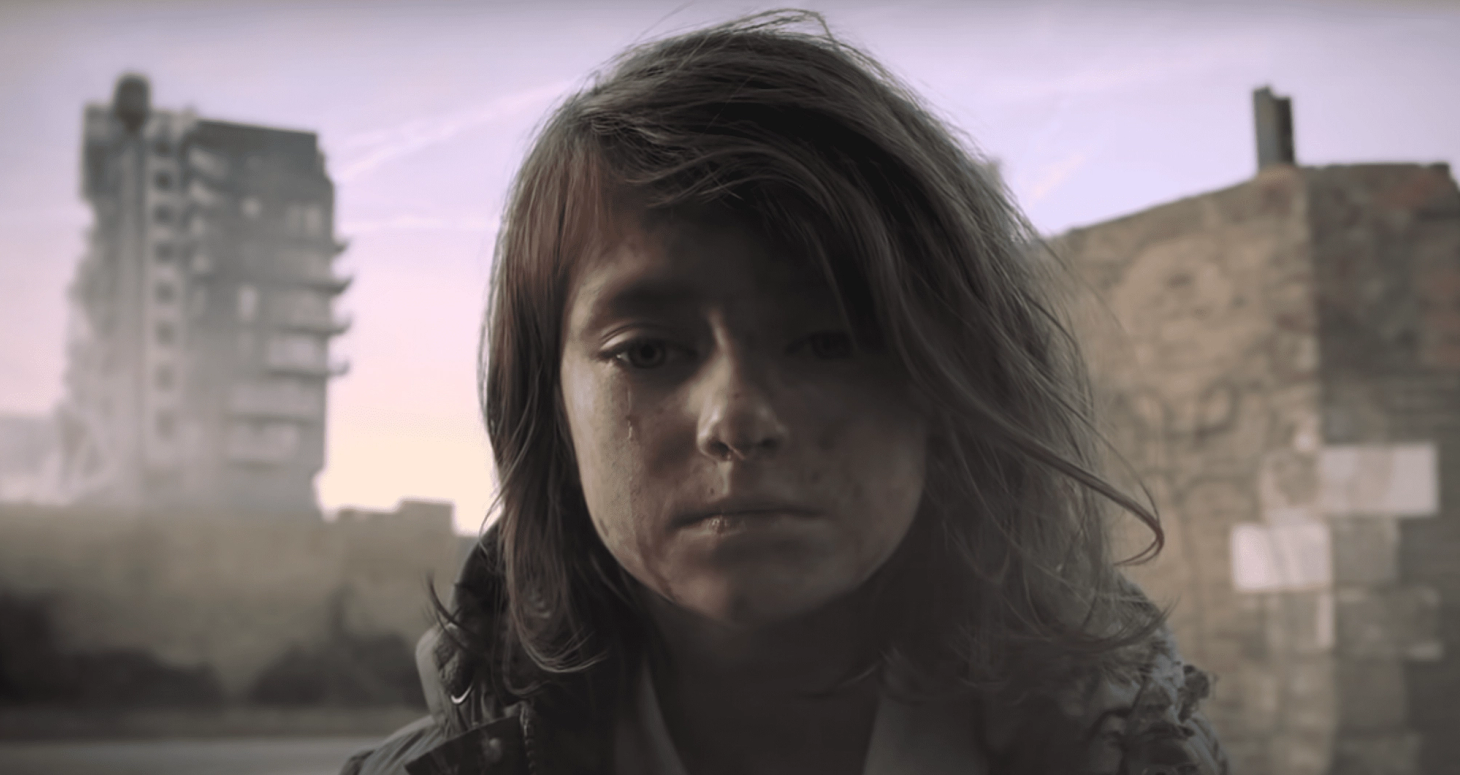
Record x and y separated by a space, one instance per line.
1139 715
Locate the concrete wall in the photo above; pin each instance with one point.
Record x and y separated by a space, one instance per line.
1386 241
233 593
1203 339
1280 363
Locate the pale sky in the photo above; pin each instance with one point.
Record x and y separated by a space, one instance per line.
1094 110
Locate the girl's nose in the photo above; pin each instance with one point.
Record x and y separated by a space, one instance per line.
738 418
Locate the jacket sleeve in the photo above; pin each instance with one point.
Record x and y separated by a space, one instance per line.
1149 723
1140 718
390 757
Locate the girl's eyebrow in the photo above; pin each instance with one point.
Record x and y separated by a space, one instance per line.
641 297
652 294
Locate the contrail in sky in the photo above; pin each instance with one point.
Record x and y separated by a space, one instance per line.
382 145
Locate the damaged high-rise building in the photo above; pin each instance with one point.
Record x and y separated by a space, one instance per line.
203 311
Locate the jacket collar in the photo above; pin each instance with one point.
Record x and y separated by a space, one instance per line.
521 743
553 733
496 748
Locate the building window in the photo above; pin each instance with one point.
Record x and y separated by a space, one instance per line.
166 334
248 303
301 306
163 251
297 351
162 378
313 220
213 165
251 207
271 442
162 214
162 148
164 425
163 181
199 303
165 292
306 219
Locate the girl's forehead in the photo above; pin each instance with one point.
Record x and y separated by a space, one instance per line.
687 266
705 255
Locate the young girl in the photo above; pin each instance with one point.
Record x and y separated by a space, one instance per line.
797 469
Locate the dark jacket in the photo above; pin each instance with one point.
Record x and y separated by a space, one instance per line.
1139 720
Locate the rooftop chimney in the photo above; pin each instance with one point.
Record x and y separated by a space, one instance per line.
132 100
1274 116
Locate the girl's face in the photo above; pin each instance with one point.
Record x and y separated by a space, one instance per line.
737 456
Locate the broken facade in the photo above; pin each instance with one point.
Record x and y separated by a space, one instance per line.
203 310
1279 362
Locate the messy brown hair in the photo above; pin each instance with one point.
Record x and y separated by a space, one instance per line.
814 143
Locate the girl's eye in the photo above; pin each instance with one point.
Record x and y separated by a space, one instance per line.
643 354
830 344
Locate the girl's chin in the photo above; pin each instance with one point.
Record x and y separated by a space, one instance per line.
754 603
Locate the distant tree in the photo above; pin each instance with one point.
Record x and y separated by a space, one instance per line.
347 669
34 669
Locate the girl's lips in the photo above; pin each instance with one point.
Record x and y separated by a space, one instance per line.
744 522
728 510
724 523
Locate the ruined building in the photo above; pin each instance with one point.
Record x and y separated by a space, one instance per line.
199 352
1279 361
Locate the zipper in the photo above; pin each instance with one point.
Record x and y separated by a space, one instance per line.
529 740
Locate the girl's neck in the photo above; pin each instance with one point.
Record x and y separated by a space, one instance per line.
810 655
790 687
